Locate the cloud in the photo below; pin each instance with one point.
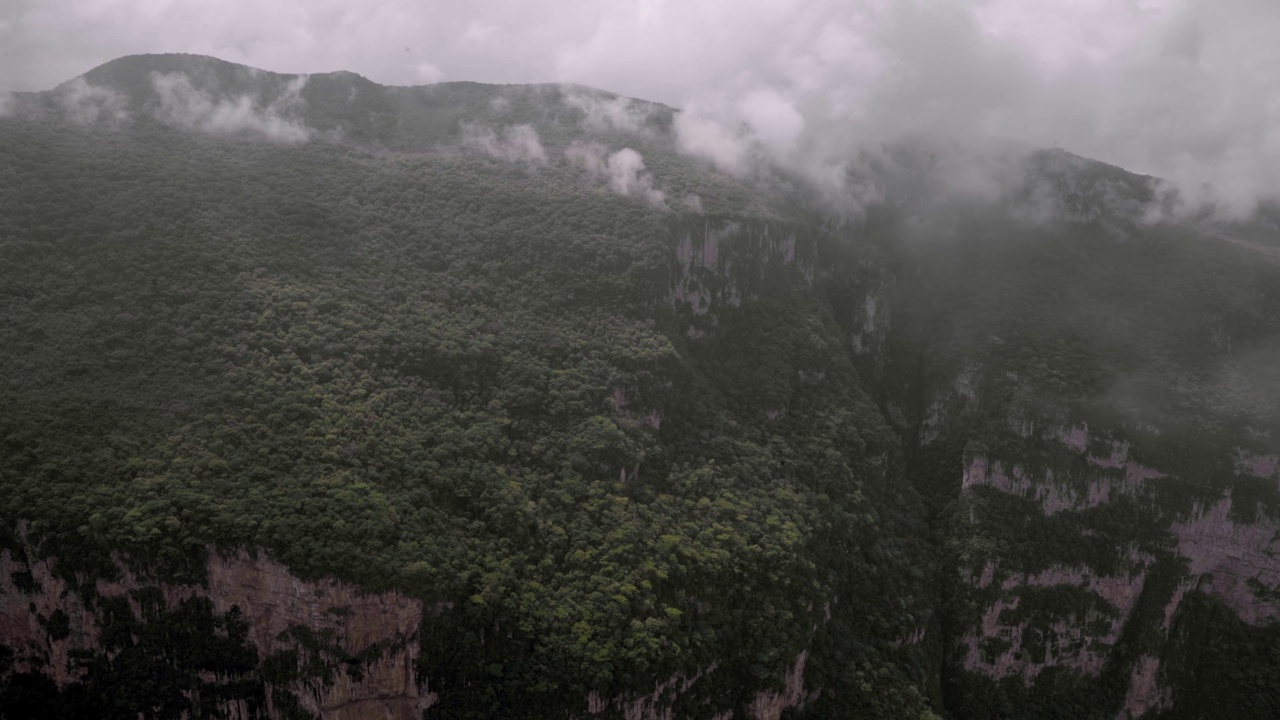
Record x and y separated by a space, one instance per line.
1183 89
707 130
428 73
589 156
624 170
184 105
773 119
627 176
617 113
516 143
85 103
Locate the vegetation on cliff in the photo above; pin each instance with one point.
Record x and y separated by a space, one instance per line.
457 375
612 436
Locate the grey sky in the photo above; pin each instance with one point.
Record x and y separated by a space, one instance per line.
1186 89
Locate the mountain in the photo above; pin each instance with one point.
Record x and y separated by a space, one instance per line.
329 399
205 93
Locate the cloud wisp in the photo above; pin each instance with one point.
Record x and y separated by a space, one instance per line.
611 113
84 103
624 170
1184 89
515 143
182 104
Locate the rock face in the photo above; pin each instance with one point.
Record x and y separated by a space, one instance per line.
1070 640
374 635
708 281
275 601
366 643
1074 616
764 705
1227 555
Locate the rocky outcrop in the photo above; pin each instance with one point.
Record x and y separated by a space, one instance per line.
369 640
653 706
658 705
1068 641
1074 616
705 274
1238 562
1110 476
770 704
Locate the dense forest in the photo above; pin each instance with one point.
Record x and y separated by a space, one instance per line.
610 437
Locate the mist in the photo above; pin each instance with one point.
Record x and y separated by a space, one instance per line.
624 171
1185 90
85 103
616 113
184 105
515 143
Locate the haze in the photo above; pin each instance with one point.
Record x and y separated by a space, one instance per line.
1183 89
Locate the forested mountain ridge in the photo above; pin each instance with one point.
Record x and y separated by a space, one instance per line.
638 437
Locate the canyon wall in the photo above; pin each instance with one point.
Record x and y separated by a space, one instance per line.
1117 559
365 642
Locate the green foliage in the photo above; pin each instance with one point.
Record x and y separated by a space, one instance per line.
1220 666
385 357
454 376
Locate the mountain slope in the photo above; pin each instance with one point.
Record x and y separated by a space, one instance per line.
633 436
457 374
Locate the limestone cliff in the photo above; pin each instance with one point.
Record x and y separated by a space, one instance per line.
365 644
1117 558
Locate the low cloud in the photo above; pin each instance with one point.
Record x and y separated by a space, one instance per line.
624 170
515 143
1180 89
627 176
589 156
773 119
429 73
712 132
182 104
617 113
85 103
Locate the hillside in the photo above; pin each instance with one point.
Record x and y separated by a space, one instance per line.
325 398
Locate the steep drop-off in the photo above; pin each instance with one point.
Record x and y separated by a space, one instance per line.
356 652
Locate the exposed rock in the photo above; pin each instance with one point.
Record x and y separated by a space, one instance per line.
1058 494
1261 466
1070 643
704 271
1135 473
1055 495
656 705
20 612
769 704
1076 438
1145 693
1225 556
1232 560
273 600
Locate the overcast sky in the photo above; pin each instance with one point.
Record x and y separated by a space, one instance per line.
1187 89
